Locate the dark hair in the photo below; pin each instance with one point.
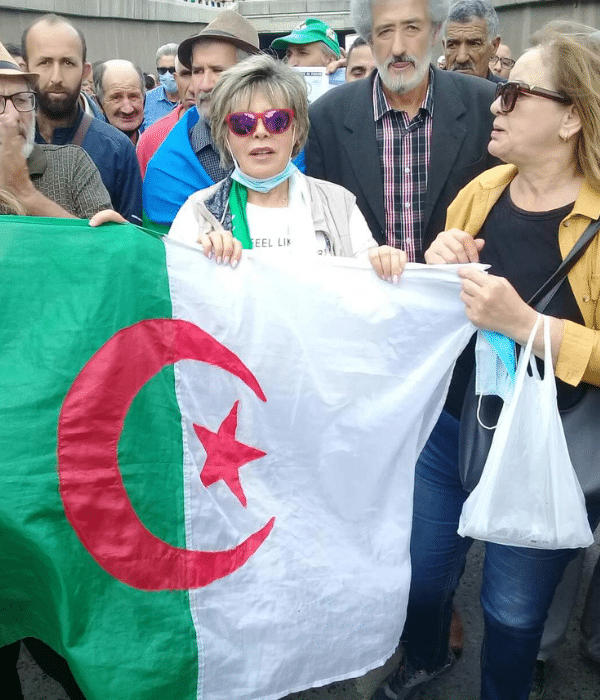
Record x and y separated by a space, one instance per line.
359 41
52 20
14 50
149 81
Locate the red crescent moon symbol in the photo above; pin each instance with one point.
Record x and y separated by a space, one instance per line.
91 486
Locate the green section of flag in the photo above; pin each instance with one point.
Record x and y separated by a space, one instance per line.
66 289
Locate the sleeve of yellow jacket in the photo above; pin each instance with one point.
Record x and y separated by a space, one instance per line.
579 353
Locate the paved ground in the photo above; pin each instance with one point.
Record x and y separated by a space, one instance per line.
569 676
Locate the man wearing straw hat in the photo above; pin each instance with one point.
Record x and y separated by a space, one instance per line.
187 161
40 180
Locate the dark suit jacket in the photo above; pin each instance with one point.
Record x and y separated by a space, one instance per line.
342 145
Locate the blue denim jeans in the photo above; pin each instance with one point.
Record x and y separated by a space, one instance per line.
517 584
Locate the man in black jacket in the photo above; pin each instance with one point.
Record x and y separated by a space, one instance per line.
405 141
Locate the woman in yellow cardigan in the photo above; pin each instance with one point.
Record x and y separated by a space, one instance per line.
522 219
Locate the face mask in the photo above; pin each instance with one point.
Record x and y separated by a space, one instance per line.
168 82
495 365
265 184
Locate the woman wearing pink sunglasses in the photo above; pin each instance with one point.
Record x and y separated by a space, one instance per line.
259 122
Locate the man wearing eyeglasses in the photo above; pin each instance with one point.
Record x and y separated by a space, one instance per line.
162 99
40 180
502 62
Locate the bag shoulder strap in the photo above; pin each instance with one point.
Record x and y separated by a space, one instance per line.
82 129
546 292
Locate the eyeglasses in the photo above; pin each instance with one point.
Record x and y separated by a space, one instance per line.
276 121
507 63
163 69
510 91
22 101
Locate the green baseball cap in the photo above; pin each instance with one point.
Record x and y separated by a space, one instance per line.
308 32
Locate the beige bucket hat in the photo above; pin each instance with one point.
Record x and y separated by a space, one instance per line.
9 68
229 26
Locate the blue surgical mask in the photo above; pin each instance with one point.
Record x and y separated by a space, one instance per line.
168 82
495 365
265 184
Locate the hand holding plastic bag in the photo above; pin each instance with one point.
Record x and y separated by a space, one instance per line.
528 494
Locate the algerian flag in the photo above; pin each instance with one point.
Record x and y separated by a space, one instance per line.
207 473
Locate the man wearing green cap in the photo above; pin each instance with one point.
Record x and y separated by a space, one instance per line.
312 43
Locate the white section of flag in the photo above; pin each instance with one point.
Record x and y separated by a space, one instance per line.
355 371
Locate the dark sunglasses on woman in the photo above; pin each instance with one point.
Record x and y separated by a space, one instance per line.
276 121
161 70
509 93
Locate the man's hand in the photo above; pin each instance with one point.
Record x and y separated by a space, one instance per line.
454 246
107 216
332 66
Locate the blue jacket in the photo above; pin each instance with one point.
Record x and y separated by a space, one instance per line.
114 156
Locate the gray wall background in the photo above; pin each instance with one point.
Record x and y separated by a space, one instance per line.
134 29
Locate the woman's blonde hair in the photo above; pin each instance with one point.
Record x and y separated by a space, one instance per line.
573 51
282 86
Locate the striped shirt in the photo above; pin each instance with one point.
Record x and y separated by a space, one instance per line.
404 149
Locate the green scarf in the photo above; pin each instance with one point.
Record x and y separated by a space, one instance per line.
238 198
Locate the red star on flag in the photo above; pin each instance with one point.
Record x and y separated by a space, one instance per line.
225 455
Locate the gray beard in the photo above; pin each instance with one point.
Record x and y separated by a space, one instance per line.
400 85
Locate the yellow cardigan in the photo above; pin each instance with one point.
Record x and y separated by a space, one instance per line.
579 354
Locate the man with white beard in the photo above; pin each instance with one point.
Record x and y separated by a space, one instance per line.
408 138
41 180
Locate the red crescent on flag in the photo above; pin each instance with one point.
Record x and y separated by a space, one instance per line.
91 486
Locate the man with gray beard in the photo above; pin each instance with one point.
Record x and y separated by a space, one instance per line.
407 139
40 180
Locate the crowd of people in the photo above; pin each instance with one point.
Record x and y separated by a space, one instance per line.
479 158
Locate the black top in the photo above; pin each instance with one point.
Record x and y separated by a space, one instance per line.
523 247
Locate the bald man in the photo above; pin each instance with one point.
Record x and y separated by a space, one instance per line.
55 50
119 87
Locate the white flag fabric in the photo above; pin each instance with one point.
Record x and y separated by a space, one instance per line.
353 373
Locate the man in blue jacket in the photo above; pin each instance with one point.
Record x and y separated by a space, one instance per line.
56 50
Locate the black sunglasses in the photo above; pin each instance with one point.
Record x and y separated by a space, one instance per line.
162 70
510 91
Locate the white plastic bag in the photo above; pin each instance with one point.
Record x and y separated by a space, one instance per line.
528 494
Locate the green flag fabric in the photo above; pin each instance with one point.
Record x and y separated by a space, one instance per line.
66 291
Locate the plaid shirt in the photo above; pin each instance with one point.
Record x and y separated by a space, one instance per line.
404 147
202 145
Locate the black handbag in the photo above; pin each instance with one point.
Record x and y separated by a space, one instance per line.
581 419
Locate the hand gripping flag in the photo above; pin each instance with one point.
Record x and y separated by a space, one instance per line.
207 473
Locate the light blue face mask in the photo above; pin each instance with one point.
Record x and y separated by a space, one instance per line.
495 365
266 184
168 82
